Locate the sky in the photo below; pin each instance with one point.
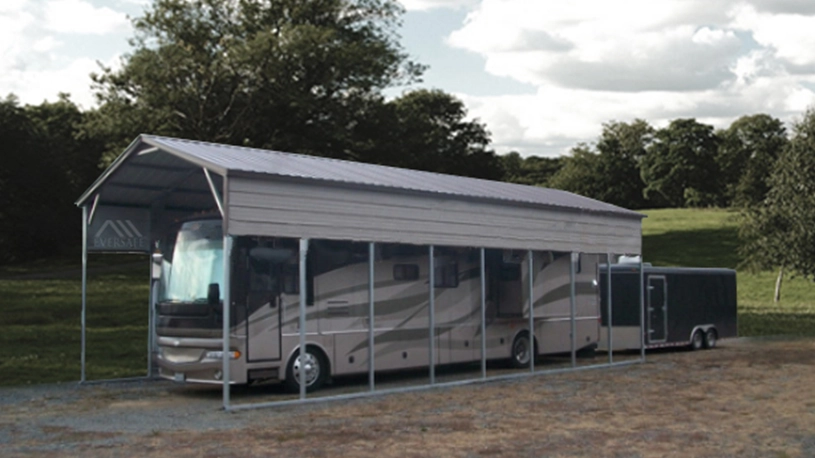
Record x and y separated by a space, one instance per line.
543 75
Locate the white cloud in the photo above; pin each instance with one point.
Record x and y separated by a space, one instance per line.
45 49
425 5
13 23
35 86
789 35
81 17
45 44
600 45
593 61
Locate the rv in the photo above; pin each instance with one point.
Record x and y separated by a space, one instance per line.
265 291
681 306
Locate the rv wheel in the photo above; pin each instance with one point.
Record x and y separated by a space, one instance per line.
697 342
316 370
521 351
710 338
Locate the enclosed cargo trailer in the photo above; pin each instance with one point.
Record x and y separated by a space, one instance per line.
683 306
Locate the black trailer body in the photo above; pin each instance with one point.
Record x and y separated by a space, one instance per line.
682 306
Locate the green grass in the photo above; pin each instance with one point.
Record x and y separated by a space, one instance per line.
40 326
709 238
40 321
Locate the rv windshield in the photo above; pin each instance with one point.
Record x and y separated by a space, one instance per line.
197 262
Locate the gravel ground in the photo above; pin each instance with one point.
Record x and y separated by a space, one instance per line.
747 398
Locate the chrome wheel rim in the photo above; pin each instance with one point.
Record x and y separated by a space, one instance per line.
312 368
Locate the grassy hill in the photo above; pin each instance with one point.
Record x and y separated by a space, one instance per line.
709 238
40 326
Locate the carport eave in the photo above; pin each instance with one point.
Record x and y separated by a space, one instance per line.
134 148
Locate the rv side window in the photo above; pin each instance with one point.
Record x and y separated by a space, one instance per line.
260 277
405 272
291 279
446 276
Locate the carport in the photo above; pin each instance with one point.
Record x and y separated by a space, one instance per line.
157 181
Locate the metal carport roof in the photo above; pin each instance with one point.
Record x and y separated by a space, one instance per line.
157 168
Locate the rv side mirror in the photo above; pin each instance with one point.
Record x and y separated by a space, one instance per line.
155 270
213 294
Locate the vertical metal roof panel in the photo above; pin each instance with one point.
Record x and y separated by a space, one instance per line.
225 158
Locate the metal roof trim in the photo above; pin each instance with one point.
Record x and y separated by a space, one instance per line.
131 148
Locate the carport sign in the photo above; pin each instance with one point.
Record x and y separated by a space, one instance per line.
119 229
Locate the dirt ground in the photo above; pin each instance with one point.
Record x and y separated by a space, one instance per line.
747 398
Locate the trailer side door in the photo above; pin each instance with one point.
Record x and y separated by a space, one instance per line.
657 309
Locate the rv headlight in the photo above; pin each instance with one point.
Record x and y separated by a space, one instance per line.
220 355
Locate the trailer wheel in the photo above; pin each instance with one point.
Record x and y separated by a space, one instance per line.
697 342
522 351
710 338
316 370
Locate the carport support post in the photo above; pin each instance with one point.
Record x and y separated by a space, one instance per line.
483 317
371 355
84 288
225 329
301 352
574 258
642 310
532 352
151 325
609 256
431 322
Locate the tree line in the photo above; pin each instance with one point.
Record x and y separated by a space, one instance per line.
685 164
309 77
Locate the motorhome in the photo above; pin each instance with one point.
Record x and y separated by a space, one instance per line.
265 300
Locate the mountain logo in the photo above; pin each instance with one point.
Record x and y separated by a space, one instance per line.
123 228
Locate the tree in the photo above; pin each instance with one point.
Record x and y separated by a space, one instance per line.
293 75
428 130
71 150
580 173
43 169
611 173
622 147
747 153
680 165
777 232
532 170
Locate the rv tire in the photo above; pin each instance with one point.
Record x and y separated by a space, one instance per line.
710 338
316 370
697 341
522 351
